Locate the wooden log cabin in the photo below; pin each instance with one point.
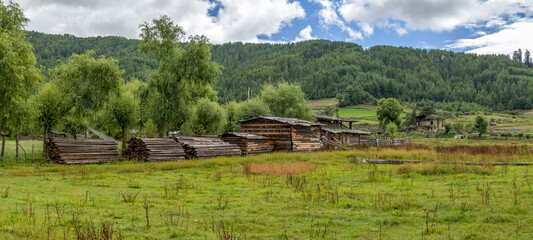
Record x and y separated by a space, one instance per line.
249 143
290 134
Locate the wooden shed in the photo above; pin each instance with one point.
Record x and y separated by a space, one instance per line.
335 122
249 143
290 134
346 137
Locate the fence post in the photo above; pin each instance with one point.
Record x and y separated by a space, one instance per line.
17 147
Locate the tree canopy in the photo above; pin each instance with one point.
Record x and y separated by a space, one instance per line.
286 100
79 87
18 74
389 111
480 125
184 75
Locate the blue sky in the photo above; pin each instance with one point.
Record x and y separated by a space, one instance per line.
477 26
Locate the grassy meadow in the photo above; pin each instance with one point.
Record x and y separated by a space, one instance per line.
29 151
322 195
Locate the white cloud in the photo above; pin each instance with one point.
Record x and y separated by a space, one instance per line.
433 15
329 17
305 34
236 20
505 41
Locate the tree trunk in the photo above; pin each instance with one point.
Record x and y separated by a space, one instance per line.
17 147
3 144
85 132
123 139
160 130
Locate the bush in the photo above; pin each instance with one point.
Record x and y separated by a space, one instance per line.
252 108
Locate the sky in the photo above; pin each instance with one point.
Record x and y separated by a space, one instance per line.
474 26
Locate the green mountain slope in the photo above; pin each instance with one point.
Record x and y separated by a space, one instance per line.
449 80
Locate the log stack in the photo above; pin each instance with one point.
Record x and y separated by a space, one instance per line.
71 151
206 146
250 143
154 150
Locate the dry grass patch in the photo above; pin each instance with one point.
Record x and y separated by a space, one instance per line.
22 172
279 169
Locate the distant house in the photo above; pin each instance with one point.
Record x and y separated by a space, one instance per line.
430 121
492 123
289 134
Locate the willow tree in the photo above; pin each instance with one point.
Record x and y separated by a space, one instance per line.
286 100
18 74
183 70
79 87
122 111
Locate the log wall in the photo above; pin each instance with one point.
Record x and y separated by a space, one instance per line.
306 139
281 132
251 146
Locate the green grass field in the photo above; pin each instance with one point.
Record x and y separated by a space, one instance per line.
25 151
321 195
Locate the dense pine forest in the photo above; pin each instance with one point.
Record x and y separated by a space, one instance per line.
325 69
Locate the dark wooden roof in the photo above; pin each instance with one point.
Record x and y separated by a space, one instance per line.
428 117
379 132
330 118
290 121
353 131
245 135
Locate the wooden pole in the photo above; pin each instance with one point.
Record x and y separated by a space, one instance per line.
3 144
32 148
17 147
124 136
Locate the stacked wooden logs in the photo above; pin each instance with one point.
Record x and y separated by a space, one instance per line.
154 149
206 146
71 151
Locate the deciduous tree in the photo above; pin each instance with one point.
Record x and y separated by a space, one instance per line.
252 108
286 100
480 125
79 87
182 71
208 118
122 111
18 74
389 110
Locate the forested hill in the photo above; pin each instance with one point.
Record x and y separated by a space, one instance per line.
453 81
49 49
